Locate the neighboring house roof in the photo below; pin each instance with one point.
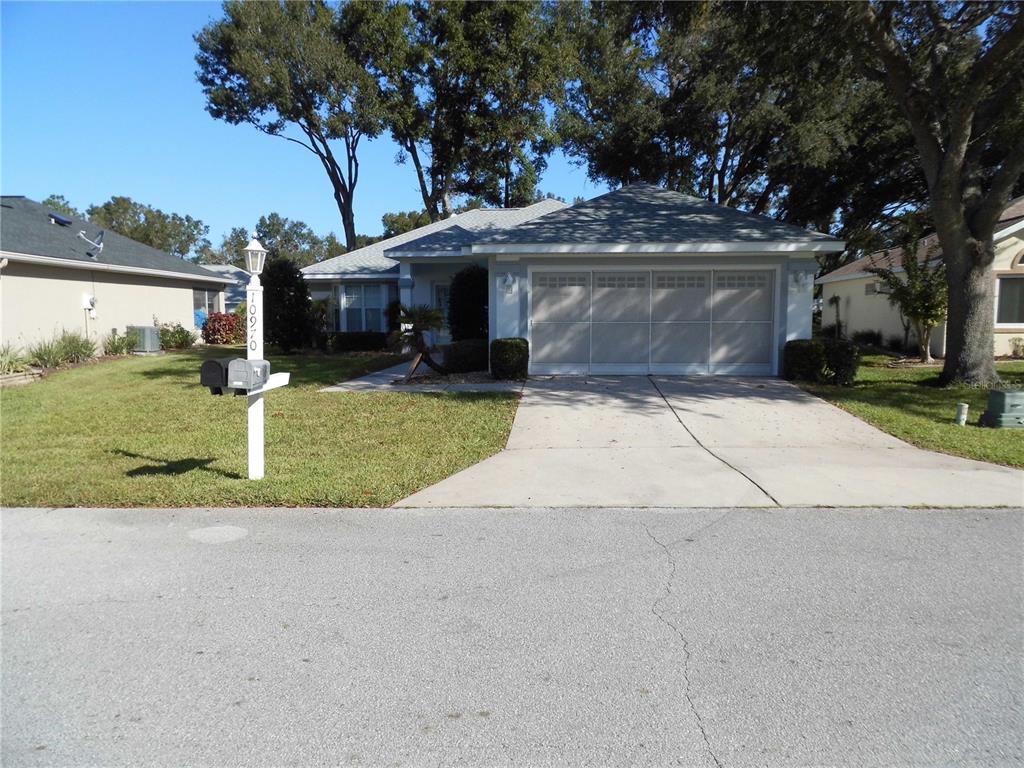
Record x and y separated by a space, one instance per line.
656 220
927 248
371 260
31 232
234 292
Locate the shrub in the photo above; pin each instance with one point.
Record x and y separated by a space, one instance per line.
804 360
116 344
287 309
829 331
240 310
45 354
356 341
74 347
222 328
842 359
510 358
466 355
895 343
1017 346
867 338
12 360
176 336
392 315
467 304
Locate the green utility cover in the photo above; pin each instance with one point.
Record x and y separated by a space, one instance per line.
1005 409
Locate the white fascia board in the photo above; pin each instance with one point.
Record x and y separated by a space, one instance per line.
99 266
808 246
1013 229
346 277
450 257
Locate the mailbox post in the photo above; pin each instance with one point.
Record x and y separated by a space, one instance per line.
255 256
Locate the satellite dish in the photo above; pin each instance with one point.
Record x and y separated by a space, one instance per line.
97 245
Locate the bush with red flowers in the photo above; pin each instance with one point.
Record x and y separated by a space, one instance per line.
223 328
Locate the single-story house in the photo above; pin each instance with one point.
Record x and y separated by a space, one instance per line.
864 303
57 273
234 292
360 284
640 280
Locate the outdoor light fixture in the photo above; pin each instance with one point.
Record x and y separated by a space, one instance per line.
510 282
255 256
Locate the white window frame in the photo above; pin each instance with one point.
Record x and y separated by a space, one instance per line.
344 308
995 315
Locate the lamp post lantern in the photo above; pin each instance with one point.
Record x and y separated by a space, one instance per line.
255 257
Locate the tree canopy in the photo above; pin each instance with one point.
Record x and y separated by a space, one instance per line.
181 236
283 238
283 68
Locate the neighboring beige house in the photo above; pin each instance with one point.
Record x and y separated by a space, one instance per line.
863 306
53 277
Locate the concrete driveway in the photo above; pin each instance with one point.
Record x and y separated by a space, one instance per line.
707 442
291 637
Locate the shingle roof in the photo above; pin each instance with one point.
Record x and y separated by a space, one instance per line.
643 213
27 228
372 259
927 248
473 226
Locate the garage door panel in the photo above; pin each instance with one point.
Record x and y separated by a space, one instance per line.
620 343
681 296
743 296
680 343
561 297
561 343
741 343
621 297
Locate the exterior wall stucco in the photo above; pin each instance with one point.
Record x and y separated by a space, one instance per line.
873 312
39 301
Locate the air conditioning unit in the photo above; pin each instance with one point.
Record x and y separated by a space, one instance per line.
147 339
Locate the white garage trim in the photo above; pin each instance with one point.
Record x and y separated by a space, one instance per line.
710 368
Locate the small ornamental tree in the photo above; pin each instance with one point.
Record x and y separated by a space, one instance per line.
919 292
467 304
287 310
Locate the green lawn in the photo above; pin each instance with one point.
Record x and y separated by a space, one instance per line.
909 403
141 431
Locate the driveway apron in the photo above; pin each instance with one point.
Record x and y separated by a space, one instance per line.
615 441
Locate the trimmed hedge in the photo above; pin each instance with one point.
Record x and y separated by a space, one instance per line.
804 360
828 361
842 359
357 341
465 356
510 358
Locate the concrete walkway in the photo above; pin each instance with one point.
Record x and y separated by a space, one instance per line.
617 441
388 380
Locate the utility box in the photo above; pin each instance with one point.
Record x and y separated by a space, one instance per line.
214 374
147 339
248 374
1005 409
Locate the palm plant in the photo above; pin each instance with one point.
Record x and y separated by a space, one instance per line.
414 322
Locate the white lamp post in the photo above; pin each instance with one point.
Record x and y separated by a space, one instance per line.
255 257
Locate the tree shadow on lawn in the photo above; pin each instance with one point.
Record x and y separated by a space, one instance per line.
173 466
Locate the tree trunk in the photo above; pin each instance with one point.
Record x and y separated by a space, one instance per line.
924 342
969 333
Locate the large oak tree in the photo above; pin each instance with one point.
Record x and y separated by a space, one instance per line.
956 72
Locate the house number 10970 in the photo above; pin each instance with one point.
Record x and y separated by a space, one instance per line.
252 327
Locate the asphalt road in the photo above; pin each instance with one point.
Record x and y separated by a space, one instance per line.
542 637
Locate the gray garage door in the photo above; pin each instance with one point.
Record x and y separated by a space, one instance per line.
651 321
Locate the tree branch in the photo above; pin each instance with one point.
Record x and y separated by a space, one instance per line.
986 215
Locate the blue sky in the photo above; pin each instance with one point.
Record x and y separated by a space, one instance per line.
100 99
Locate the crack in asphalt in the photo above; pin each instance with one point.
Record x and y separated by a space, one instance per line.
714 455
659 614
